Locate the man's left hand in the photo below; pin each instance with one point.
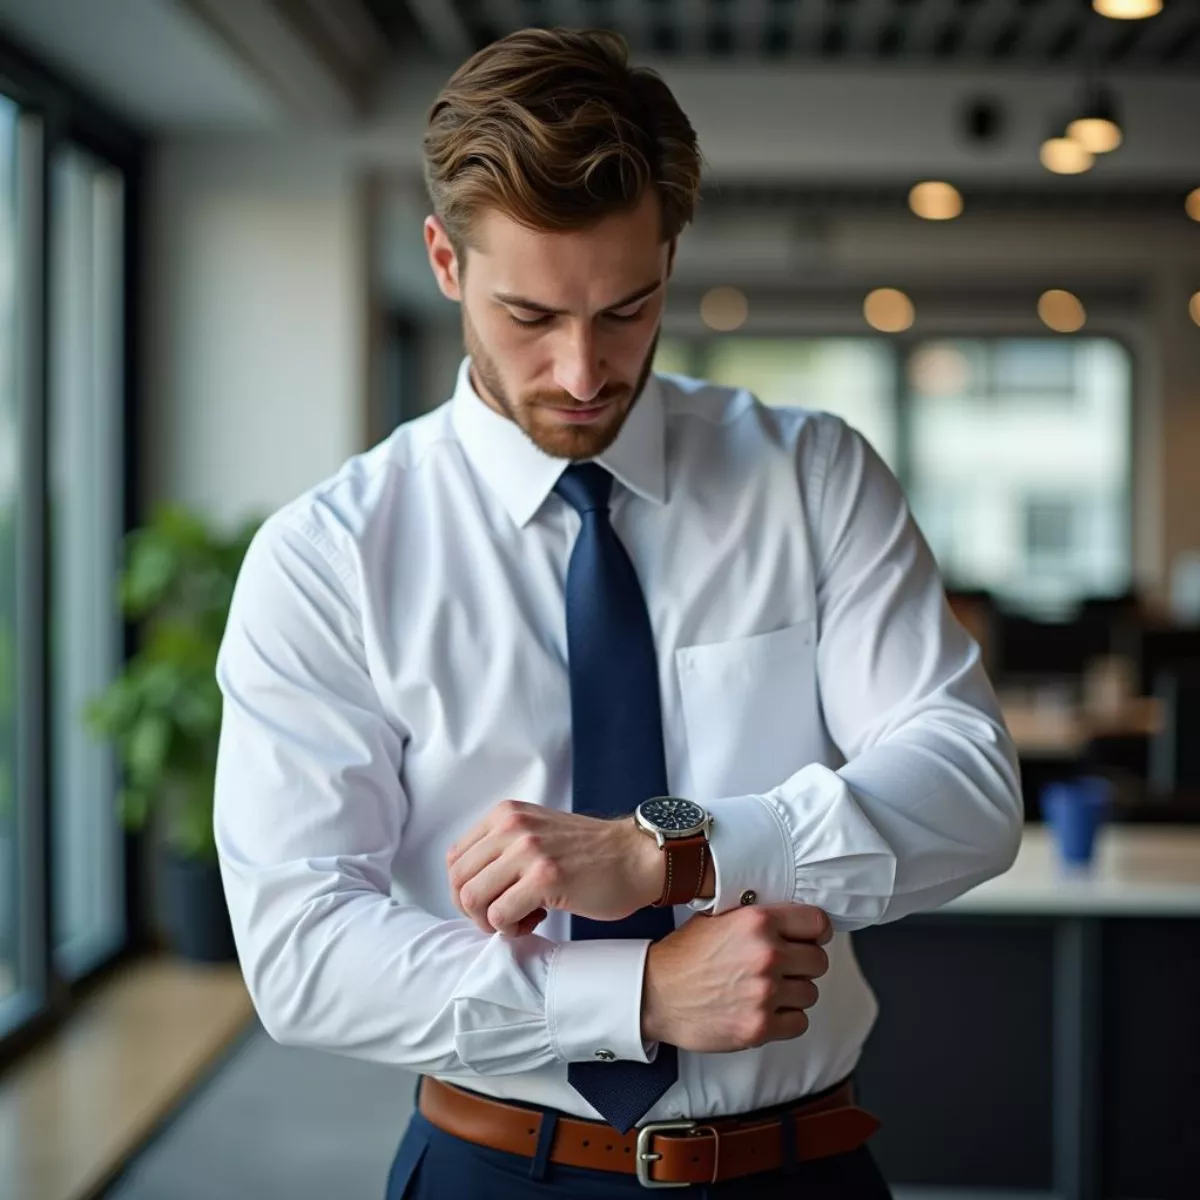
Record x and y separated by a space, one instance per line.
522 860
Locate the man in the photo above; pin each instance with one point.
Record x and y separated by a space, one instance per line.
570 731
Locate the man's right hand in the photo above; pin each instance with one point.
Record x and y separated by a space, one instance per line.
737 980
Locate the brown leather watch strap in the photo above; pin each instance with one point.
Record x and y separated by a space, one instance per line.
709 1152
685 860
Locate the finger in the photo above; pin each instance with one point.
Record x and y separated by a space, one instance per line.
531 922
475 859
480 893
803 960
796 994
803 923
514 906
787 1024
477 831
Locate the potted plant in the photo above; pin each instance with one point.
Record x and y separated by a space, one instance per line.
163 712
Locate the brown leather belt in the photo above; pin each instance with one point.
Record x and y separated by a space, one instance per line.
660 1153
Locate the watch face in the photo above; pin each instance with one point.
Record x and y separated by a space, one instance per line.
672 814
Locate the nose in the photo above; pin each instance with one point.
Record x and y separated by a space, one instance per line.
578 368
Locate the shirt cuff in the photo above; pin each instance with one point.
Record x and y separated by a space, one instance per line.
753 858
594 1000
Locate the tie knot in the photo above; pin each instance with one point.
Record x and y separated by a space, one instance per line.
586 487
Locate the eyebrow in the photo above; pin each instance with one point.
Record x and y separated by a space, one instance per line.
534 306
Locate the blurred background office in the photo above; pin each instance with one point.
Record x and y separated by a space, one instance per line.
971 227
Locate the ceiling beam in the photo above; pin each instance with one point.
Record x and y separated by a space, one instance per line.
274 44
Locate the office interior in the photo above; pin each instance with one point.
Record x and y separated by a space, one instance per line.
969 227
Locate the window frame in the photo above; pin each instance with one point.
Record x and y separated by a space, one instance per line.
67 115
695 343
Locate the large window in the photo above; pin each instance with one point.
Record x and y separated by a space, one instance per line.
1014 452
66 174
10 490
85 490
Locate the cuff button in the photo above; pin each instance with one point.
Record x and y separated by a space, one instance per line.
605 1055
749 897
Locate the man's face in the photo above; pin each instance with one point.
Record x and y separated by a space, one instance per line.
561 327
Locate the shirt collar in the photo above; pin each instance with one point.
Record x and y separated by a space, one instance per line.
522 476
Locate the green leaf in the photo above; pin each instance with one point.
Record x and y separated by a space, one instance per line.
163 711
146 750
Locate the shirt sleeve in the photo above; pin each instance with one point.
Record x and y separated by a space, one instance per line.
928 803
309 815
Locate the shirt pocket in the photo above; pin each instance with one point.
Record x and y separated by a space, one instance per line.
750 709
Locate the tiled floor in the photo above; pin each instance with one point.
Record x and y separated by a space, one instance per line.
77 1106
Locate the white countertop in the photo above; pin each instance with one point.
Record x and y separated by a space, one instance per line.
1138 870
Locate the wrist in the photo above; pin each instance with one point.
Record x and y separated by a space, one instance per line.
649 866
654 1022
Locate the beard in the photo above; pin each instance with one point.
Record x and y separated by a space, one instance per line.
532 411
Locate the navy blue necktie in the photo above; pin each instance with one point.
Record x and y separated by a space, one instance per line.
617 749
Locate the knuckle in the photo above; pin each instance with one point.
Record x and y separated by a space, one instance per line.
527 842
512 823
760 991
758 921
467 898
755 1030
767 959
546 871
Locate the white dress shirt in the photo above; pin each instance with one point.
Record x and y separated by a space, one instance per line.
395 664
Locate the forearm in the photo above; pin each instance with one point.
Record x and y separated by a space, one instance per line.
904 827
347 969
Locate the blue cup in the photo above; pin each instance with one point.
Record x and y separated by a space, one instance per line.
1075 810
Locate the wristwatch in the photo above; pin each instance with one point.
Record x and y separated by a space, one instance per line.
682 830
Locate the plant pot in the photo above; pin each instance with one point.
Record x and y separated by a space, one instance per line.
194 911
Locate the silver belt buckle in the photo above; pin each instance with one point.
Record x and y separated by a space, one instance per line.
646 1156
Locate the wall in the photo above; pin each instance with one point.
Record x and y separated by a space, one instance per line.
255 320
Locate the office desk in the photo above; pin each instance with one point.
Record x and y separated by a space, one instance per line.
1040 1032
1062 730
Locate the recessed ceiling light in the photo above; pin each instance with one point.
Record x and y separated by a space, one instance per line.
1194 308
1127 10
935 200
889 310
1097 127
1061 311
1192 204
1065 156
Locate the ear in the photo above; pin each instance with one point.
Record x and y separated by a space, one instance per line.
442 259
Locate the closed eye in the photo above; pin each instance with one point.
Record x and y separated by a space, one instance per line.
546 318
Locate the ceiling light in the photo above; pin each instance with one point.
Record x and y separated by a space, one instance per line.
1065 156
936 201
724 309
1097 128
1061 311
1127 10
1192 205
889 310
1194 308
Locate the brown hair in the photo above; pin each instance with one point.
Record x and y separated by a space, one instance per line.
554 129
